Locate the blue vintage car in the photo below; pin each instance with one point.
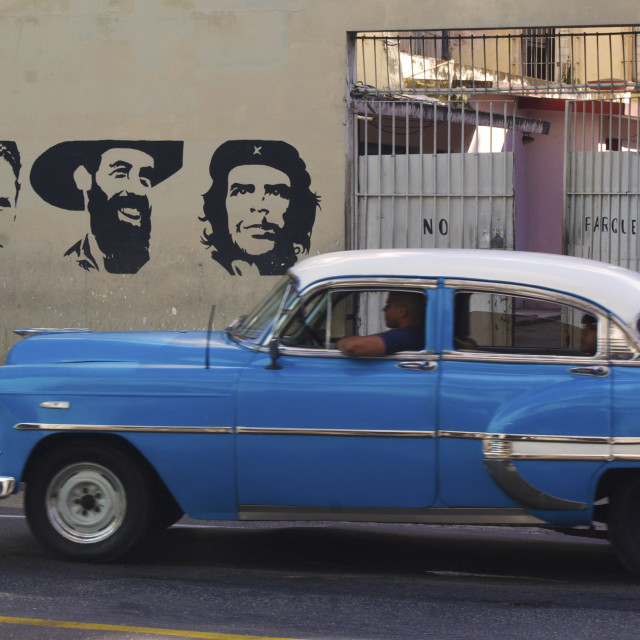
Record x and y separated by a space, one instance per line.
520 407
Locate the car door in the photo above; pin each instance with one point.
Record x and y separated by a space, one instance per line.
525 403
329 436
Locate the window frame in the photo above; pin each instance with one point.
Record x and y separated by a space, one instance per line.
380 284
602 355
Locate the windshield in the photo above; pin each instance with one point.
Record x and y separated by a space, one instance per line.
257 326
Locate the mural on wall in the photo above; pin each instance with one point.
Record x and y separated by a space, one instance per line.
260 207
9 187
112 180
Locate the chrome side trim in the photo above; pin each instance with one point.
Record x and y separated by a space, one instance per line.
623 345
545 447
474 435
321 352
7 485
625 448
55 404
417 516
596 457
527 447
371 433
525 437
371 283
25 333
119 428
485 356
515 486
627 363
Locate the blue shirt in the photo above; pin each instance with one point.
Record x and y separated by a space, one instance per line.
403 339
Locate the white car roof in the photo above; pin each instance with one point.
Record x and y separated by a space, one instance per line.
614 288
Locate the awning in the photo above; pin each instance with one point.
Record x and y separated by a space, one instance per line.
404 106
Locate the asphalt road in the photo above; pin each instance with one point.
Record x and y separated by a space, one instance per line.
321 581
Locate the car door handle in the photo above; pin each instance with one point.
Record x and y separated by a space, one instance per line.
418 365
597 371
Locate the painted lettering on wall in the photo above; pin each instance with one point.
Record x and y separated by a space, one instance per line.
605 224
260 209
442 226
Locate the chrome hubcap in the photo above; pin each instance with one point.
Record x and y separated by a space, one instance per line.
86 503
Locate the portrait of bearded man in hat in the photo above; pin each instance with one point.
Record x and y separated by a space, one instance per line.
112 181
260 207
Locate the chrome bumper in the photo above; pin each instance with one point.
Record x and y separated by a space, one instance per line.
7 486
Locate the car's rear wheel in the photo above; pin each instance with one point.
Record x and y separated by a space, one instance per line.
624 524
88 502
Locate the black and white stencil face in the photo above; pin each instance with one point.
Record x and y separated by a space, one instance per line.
258 196
119 208
260 209
112 180
124 176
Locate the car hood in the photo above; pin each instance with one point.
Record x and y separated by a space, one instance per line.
186 348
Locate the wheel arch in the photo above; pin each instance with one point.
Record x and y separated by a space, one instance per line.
612 478
161 492
610 481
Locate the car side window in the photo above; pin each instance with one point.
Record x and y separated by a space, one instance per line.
307 323
510 324
330 315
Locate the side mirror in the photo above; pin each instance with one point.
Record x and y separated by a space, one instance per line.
274 352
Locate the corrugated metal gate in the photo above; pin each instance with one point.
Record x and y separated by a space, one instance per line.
425 180
603 181
432 162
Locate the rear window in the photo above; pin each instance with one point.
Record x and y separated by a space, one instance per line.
501 323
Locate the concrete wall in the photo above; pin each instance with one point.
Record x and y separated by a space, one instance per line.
198 73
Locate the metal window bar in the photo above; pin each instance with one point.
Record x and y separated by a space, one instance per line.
538 54
603 175
433 188
546 62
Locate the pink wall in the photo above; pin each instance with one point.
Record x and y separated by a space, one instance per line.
539 195
538 173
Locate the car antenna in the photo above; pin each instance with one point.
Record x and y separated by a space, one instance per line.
209 330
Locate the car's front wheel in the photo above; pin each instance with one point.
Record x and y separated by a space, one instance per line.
88 502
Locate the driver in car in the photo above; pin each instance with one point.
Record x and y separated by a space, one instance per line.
404 314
